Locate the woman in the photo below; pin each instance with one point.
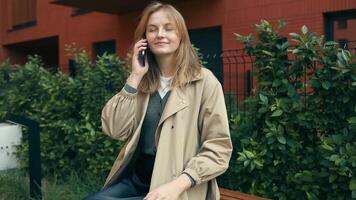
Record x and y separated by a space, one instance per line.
172 115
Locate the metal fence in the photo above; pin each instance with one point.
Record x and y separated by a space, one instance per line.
238 81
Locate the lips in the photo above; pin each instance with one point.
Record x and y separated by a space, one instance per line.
160 43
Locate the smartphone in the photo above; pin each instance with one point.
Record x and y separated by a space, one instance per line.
141 58
142 54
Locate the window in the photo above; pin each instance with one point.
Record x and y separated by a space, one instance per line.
341 27
342 24
23 13
79 11
343 43
100 48
72 68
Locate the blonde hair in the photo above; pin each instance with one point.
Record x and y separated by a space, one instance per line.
186 59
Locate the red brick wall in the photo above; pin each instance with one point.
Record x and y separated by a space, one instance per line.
242 14
233 15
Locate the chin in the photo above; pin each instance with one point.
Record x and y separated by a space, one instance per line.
162 53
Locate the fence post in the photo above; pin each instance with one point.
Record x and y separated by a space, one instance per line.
34 152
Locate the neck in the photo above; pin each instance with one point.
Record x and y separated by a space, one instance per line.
166 65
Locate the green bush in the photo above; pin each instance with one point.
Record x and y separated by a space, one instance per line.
68 110
296 137
14 185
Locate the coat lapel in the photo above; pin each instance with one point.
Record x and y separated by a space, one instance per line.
176 102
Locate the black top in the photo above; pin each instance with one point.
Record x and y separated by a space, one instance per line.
147 146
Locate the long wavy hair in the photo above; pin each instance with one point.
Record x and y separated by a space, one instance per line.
186 60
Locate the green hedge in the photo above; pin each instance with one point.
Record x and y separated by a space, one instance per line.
296 139
68 110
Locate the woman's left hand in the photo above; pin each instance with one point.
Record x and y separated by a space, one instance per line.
171 190
167 191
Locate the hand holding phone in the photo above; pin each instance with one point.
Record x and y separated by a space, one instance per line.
139 61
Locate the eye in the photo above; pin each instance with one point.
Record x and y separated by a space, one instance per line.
169 28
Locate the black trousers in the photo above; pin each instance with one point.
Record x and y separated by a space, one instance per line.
128 188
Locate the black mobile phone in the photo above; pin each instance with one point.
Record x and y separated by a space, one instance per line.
142 54
141 58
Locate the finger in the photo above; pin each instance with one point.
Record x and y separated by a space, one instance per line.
142 48
152 196
140 43
136 53
147 196
138 48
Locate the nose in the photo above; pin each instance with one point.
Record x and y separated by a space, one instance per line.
161 33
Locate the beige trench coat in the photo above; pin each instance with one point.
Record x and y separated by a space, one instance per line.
192 135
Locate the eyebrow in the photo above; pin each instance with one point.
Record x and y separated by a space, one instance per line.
164 24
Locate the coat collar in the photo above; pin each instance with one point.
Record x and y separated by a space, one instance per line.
176 101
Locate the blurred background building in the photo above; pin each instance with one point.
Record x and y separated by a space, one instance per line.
44 27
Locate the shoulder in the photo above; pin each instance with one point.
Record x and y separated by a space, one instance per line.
206 84
208 78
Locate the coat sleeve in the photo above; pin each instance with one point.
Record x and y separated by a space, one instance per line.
118 116
216 147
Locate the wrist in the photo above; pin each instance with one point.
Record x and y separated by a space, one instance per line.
134 80
182 182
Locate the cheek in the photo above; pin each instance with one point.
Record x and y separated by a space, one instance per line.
150 37
177 42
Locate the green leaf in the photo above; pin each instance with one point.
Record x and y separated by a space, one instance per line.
295 51
331 43
337 138
311 195
327 147
281 139
353 195
276 83
285 45
304 29
258 163
352 184
344 55
249 154
268 53
277 113
263 98
262 110
332 178
326 84
295 35
281 24
352 120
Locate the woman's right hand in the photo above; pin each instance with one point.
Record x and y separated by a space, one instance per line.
137 68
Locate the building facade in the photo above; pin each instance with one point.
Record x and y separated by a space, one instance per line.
45 27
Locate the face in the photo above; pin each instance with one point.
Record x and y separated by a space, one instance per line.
161 34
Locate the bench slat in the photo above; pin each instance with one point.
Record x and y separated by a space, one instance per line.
226 194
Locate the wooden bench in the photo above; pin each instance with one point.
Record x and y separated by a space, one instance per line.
226 194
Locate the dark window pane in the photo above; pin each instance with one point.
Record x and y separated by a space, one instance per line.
342 24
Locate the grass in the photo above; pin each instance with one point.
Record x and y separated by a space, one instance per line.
14 185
